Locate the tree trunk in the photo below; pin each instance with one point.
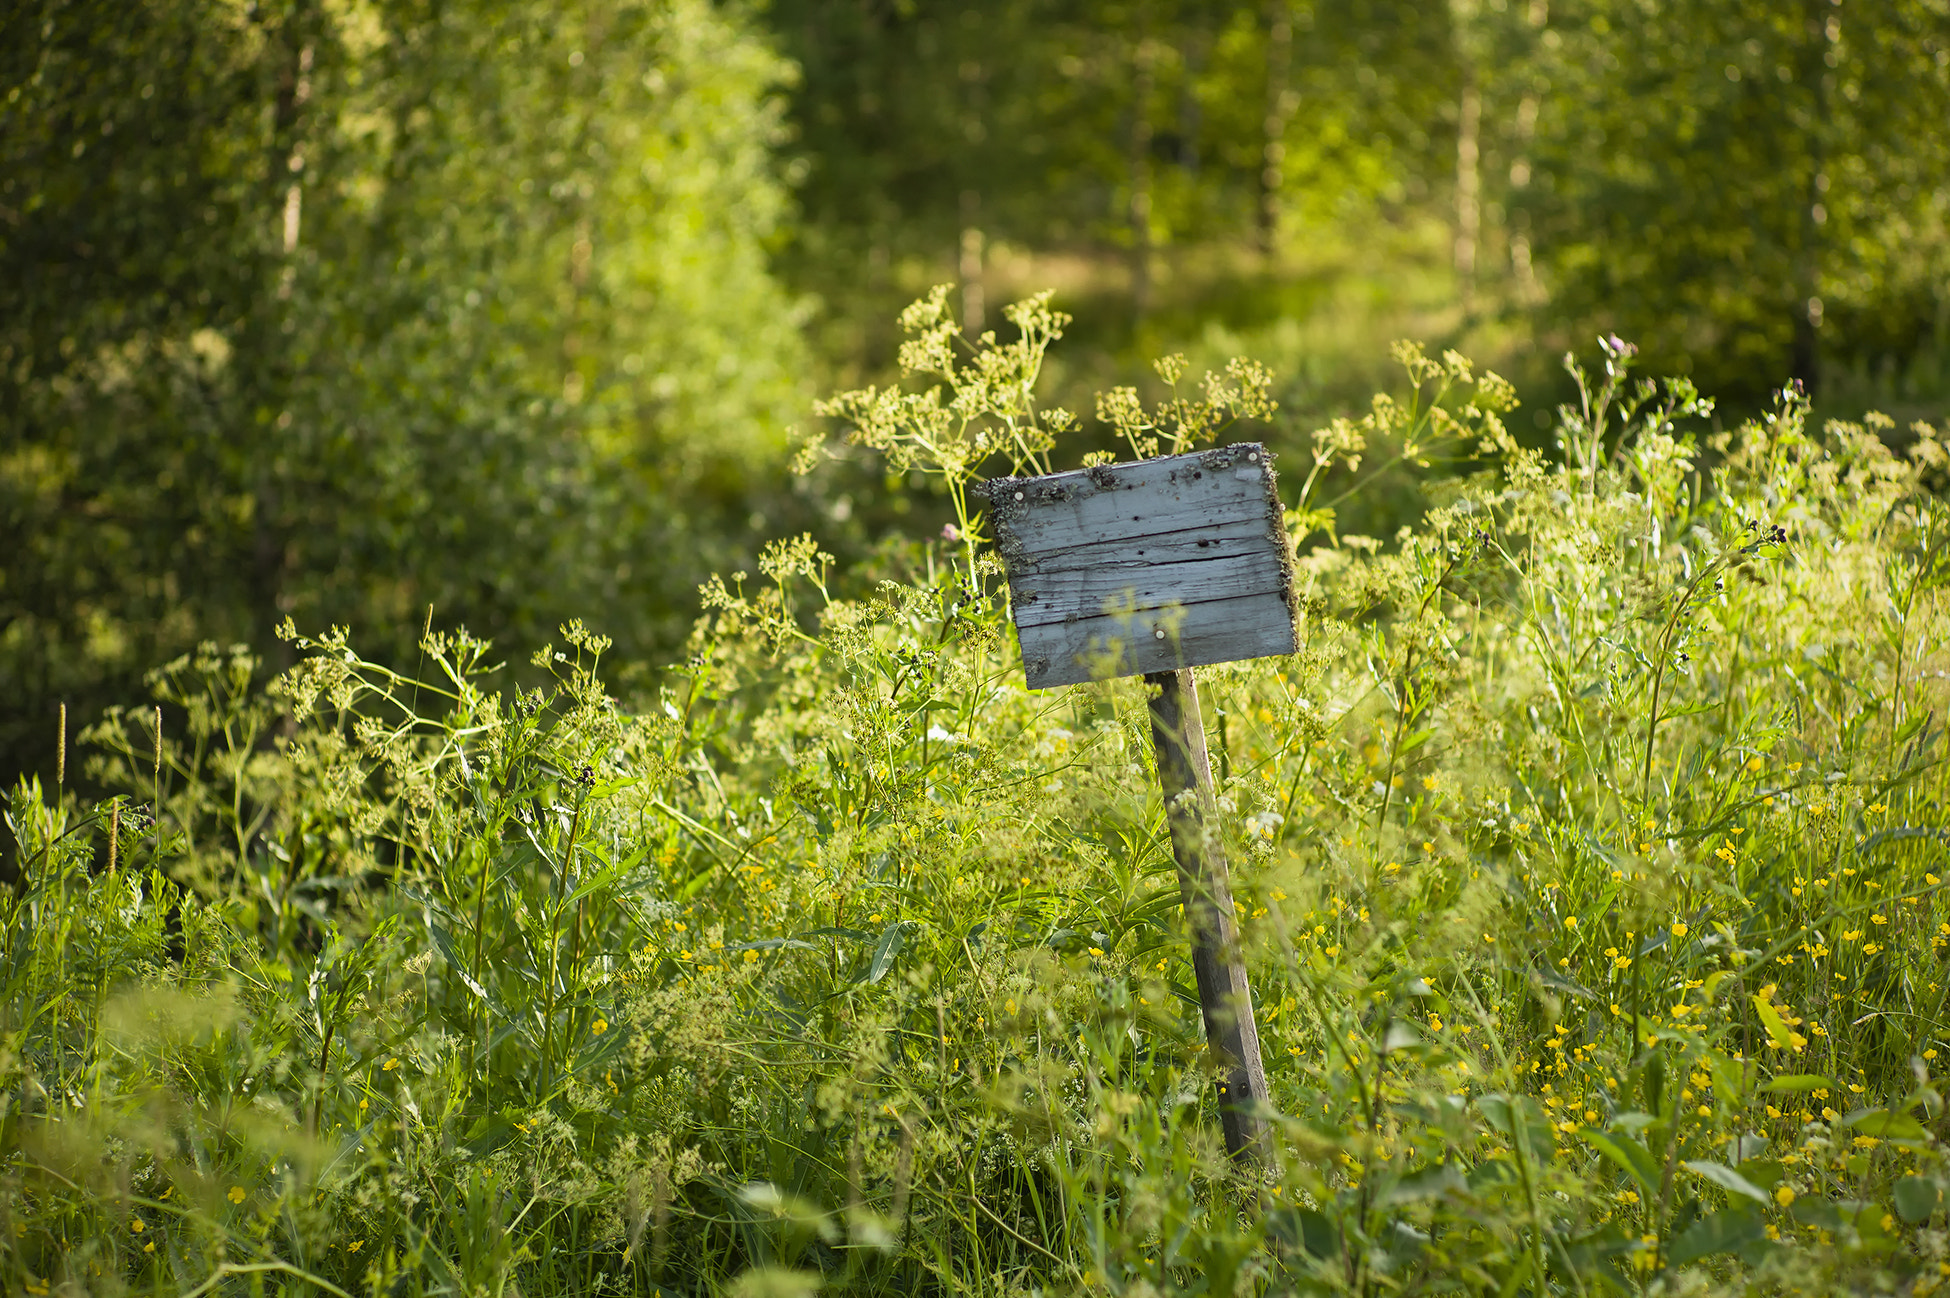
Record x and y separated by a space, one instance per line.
1279 111
1823 29
1140 164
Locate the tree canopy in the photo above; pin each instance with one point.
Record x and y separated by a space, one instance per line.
338 311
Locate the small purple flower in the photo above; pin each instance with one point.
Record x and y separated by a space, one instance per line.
950 533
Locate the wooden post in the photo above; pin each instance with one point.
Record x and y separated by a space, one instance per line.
1225 998
1151 569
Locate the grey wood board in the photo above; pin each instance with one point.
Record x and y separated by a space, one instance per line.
1042 598
1035 516
1231 537
1066 653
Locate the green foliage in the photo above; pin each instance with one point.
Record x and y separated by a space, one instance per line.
1587 857
1758 187
1755 190
341 311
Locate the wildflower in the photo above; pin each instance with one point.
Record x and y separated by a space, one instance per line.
1570 921
389 1066
137 1226
236 1194
355 1246
601 1025
1784 1195
1878 919
1679 930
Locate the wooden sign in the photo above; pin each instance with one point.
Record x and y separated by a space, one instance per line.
1154 568
1124 569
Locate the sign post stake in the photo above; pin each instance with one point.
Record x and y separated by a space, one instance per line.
1225 998
1152 569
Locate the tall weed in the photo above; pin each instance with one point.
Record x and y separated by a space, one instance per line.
1588 857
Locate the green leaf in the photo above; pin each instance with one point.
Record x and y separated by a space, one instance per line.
1400 1035
1725 1231
1799 1082
1777 1029
1917 1197
1887 1125
1727 1179
1631 1156
1427 1183
892 939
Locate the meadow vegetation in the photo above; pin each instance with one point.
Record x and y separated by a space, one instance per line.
1588 858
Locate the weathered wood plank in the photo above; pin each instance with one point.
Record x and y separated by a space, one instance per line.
1042 598
1154 640
1225 539
1225 994
1038 516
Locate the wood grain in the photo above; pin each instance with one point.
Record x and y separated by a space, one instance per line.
1146 567
1233 537
1038 516
1045 597
1225 630
1225 994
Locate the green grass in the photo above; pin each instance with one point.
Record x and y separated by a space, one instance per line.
1587 856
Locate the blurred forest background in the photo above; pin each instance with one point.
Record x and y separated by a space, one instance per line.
341 310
